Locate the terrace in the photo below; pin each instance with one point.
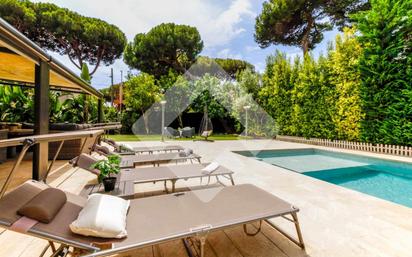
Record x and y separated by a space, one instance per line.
194 155
335 221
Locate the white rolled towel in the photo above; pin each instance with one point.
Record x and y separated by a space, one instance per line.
186 152
210 168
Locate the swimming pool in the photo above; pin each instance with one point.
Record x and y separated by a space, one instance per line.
389 180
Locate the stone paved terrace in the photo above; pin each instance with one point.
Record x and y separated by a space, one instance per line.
335 221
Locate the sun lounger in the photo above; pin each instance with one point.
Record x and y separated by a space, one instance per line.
131 161
143 149
161 174
158 148
190 216
104 150
175 173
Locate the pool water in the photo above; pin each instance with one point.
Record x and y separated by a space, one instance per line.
389 180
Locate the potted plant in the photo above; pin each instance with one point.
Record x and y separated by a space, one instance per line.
108 168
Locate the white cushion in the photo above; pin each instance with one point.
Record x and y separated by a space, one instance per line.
186 152
210 168
102 216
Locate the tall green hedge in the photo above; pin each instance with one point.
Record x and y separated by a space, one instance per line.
360 90
276 94
386 71
316 97
345 77
313 99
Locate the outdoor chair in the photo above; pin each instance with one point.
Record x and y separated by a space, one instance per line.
187 132
190 216
171 132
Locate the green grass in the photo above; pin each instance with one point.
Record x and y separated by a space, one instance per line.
158 137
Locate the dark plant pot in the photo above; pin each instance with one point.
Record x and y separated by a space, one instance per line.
109 184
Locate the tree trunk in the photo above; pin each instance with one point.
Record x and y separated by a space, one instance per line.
305 39
179 118
146 122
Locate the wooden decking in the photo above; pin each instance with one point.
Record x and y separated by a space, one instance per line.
230 242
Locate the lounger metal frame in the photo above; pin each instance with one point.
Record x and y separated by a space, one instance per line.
198 244
158 162
27 142
174 181
201 233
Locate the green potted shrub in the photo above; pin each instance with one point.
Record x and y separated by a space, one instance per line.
107 168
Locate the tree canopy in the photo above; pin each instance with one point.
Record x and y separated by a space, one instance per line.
302 22
82 39
165 47
234 67
224 68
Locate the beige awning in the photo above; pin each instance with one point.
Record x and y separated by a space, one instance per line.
16 68
18 57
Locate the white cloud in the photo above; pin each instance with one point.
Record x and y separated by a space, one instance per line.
217 25
251 48
226 53
226 26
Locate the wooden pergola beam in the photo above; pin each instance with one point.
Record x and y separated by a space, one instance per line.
41 119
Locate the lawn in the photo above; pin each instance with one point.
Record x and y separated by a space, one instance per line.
158 137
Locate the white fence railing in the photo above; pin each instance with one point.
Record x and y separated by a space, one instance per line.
376 148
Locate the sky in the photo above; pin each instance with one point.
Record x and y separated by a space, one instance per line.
226 28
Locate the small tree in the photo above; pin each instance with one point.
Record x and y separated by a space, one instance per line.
140 93
165 47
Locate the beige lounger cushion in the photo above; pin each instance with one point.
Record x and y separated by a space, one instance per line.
102 149
102 216
85 161
44 206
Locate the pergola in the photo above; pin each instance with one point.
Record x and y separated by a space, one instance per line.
23 63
